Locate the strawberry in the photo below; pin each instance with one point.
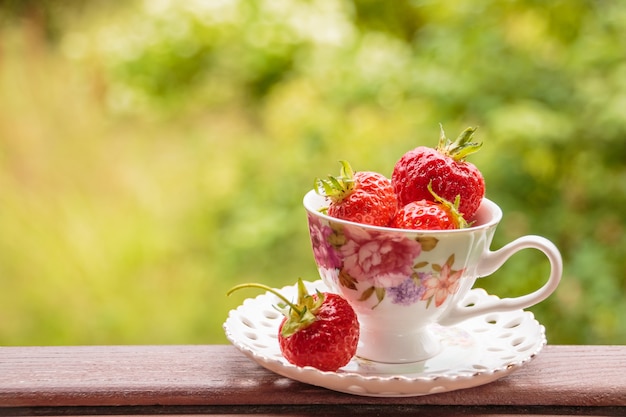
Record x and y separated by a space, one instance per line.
446 167
363 197
429 215
320 330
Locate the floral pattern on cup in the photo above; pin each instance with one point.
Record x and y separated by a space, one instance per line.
388 262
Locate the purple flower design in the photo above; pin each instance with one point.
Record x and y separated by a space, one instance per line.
409 291
382 259
324 253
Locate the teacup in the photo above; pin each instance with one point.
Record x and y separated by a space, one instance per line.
402 282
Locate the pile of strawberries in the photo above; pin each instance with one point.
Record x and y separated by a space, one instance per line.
430 189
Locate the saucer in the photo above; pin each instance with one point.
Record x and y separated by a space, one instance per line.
475 352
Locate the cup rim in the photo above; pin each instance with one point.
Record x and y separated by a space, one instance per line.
486 205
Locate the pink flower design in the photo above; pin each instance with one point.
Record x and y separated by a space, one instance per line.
447 283
384 259
324 253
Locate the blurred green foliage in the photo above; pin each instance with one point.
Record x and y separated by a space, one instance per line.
154 154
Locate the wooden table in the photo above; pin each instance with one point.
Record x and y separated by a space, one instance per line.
218 379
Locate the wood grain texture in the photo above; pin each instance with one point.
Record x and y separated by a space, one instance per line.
219 375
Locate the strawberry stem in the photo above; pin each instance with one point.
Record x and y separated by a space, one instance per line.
300 315
266 288
461 147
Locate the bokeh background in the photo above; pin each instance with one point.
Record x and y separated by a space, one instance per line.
153 154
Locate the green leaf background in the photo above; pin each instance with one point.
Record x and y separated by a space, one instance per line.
154 154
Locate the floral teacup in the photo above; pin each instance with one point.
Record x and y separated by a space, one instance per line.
401 282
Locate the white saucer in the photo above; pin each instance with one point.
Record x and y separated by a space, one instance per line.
475 352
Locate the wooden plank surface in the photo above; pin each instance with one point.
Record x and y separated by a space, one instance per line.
570 377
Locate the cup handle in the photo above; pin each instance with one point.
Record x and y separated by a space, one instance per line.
491 261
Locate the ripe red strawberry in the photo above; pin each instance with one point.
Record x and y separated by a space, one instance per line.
429 215
320 330
363 197
446 167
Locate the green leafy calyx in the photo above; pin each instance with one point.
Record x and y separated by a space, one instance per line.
451 208
300 314
461 147
336 188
